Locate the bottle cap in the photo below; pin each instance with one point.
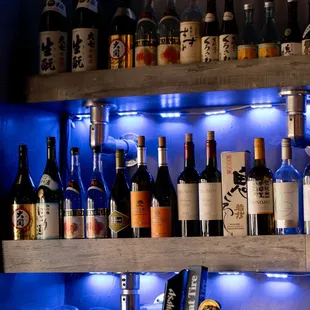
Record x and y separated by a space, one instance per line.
161 141
51 141
75 151
189 137
286 148
97 150
286 142
210 135
141 141
249 6
259 142
119 156
269 4
209 304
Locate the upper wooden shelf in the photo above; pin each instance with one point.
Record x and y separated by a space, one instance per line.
253 254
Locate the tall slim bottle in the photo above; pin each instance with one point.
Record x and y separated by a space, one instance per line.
306 192
74 201
188 202
50 198
305 44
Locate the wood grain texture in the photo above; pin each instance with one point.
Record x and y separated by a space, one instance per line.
270 253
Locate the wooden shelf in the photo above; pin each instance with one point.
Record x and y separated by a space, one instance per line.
253 254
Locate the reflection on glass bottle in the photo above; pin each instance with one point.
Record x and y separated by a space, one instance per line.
305 44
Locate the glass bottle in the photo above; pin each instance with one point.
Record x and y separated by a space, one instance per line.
305 44
306 192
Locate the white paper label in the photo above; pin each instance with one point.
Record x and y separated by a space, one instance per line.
55 5
73 227
209 48
88 4
307 202
228 16
210 201
188 202
47 181
209 18
290 49
305 47
190 42
260 197
228 47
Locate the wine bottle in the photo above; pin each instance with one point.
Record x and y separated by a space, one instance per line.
305 44
119 219
121 37
229 32
97 212
85 36
50 197
188 202
164 217
190 34
248 43
210 193
74 200
287 195
306 192
147 37
169 36
53 38
142 185
22 199
260 194
210 39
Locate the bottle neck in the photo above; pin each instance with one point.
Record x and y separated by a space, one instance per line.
162 157
192 3
23 161
229 6
211 7
189 155
211 154
292 12
286 162
51 153
269 13
249 14
149 5
259 156
124 3
171 5
141 157
75 165
97 163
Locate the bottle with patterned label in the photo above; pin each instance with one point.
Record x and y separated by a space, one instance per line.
121 37
210 39
97 211
247 49
169 36
85 36
190 34
305 44
229 32
270 43
53 38
50 198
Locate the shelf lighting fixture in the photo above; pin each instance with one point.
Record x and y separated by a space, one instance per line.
261 106
127 113
102 273
277 275
229 273
170 115
215 112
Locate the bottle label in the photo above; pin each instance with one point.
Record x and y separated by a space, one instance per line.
168 51
305 47
24 221
55 5
97 223
74 224
48 182
146 53
228 16
228 47
247 52
290 49
190 42
140 204
266 50
260 197
306 31
121 51
210 201
84 49
161 222
306 202
118 221
53 52
286 204
88 4
188 202
48 220
209 48
209 18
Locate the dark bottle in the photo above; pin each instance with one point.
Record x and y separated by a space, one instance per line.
229 32
210 37
305 44
164 211
85 36
291 43
260 194
247 49
50 197
210 193
141 195
53 38
74 200
119 219
147 37
22 200
188 203
121 37
97 211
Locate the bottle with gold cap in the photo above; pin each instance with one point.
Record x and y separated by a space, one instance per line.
287 195
260 194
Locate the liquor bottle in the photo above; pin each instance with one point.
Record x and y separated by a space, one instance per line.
147 37
305 44
22 199
260 194
229 32
74 200
168 51
164 217
306 192
291 43
190 34
97 211
287 195
210 39
50 197
188 202
85 36
248 40
121 37
119 219
142 185
210 193
270 43
53 38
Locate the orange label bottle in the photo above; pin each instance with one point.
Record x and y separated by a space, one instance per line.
161 222
140 204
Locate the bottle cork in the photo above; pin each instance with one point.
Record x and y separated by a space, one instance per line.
210 135
189 137
259 142
141 141
259 148
161 141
